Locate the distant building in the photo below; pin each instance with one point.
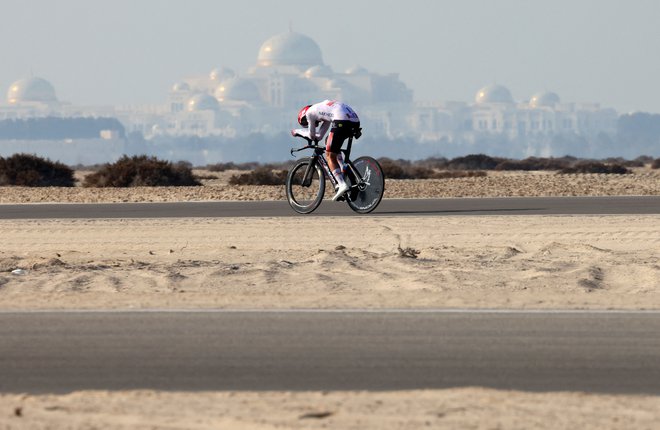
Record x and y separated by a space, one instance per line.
289 73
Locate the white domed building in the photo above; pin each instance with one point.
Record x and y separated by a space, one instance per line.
289 50
289 72
238 90
31 90
493 94
496 112
546 99
202 102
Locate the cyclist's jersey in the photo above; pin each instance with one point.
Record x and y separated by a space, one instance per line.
328 111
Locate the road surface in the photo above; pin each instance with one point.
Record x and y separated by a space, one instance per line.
388 207
608 352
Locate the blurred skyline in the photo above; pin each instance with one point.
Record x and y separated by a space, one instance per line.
123 52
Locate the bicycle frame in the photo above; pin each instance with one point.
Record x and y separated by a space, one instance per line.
319 158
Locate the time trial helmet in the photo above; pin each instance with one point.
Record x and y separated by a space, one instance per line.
302 116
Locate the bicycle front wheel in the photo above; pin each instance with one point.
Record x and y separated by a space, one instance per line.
305 185
365 194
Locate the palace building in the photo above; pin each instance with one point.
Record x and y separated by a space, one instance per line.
290 72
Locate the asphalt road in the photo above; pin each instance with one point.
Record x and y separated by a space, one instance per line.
388 207
608 352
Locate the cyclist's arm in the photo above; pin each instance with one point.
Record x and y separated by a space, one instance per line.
325 125
311 121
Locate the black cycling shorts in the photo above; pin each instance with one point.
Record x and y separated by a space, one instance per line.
339 132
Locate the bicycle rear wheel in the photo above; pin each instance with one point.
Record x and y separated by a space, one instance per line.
366 195
305 185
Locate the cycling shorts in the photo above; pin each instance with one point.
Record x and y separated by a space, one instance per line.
339 132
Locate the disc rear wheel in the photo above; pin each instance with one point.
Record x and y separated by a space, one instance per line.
364 196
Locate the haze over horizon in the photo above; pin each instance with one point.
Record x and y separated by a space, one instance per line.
121 52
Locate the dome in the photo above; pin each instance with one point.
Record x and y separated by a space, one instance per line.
289 49
321 71
181 86
202 102
547 98
238 89
221 73
494 94
357 70
31 90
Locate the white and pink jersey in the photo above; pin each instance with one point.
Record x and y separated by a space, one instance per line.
326 112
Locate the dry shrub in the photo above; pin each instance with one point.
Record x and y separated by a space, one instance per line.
655 164
450 174
391 169
534 163
403 169
260 176
596 167
439 163
474 162
637 162
644 159
221 167
142 171
31 171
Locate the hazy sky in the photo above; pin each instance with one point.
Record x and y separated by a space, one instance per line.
132 51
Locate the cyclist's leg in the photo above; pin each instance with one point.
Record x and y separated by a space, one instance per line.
333 145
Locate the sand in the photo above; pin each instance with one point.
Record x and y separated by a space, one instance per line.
521 262
642 182
461 408
578 262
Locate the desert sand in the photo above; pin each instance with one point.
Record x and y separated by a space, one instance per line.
461 408
580 262
522 262
643 181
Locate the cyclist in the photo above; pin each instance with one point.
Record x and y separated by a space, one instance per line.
343 123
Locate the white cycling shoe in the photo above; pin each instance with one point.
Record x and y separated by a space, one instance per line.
341 191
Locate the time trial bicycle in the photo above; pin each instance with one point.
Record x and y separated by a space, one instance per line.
305 182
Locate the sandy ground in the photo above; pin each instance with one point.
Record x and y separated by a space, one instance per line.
463 408
643 181
358 262
594 262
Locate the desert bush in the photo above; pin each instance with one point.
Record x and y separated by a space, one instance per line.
623 162
391 169
439 163
449 174
644 159
208 177
473 162
596 167
534 163
259 176
141 171
403 169
221 167
87 167
420 172
655 164
32 171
